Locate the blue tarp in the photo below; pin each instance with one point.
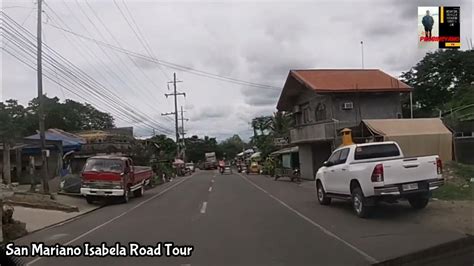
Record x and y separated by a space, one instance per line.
69 141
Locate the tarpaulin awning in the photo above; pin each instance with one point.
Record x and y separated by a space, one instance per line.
416 137
255 155
178 161
69 141
285 151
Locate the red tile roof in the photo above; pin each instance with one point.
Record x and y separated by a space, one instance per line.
349 80
337 81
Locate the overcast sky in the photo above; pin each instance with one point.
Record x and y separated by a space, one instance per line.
256 41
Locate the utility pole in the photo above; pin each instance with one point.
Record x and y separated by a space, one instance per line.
362 52
175 113
182 130
44 170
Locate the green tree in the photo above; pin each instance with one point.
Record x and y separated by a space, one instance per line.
441 80
69 116
12 116
231 146
165 146
279 125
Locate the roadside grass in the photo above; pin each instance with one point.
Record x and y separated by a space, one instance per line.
458 185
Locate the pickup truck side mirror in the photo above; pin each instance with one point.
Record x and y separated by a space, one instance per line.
327 163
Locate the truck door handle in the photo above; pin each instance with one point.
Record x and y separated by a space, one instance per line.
332 170
343 169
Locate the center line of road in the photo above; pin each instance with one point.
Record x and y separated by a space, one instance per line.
204 206
115 218
327 232
210 189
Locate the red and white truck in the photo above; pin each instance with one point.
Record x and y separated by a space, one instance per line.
113 176
371 172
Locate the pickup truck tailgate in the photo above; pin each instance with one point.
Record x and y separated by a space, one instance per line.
410 170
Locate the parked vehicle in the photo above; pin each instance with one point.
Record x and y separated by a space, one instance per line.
190 167
372 172
113 176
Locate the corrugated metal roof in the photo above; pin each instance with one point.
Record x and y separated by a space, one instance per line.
402 127
349 80
286 150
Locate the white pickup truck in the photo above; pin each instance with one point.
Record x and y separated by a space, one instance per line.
371 172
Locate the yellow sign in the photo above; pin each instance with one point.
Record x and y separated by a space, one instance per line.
452 44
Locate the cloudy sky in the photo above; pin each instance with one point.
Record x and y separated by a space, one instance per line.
254 41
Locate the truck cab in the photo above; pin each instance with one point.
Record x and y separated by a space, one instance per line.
113 176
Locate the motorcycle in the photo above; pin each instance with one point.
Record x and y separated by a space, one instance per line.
296 175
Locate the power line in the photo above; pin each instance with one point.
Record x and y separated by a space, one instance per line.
128 56
116 76
110 71
138 33
25 41
172 65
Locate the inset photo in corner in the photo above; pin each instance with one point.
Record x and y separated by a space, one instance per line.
428 27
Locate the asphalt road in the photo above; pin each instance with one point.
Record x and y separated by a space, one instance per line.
240 220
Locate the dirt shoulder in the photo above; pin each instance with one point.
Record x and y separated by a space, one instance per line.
33 200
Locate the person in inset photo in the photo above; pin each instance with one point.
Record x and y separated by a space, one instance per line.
428 22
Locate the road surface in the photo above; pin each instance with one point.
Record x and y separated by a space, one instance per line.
240 220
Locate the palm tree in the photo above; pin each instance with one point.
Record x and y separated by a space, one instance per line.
280 123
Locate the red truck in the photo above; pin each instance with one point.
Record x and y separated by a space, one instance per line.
113 176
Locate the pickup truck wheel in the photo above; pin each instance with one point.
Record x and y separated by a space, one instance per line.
139 192
89 199
359 203
418 202
322 197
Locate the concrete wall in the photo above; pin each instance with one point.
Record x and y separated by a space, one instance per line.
305 153
312 156
366 106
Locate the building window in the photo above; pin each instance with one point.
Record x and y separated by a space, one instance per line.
320 112
306 113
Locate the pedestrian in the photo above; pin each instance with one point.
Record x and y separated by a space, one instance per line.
427 22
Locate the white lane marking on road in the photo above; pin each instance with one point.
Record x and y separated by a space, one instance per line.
204 206
327 232
210 189
115 218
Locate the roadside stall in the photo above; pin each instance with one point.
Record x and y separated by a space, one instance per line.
287 163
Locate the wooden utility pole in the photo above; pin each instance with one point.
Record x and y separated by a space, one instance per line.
175 113
44 170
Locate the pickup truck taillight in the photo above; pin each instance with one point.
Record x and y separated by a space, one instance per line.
439 166
377 174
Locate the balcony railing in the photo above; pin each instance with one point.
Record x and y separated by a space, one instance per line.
318 131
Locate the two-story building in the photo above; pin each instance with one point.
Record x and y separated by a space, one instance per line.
323 101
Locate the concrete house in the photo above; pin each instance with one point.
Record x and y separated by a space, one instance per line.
324 101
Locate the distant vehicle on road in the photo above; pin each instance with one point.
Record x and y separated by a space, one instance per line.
372 172
211 161
254 168
113 176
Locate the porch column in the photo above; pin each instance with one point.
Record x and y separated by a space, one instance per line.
18 163
305 153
